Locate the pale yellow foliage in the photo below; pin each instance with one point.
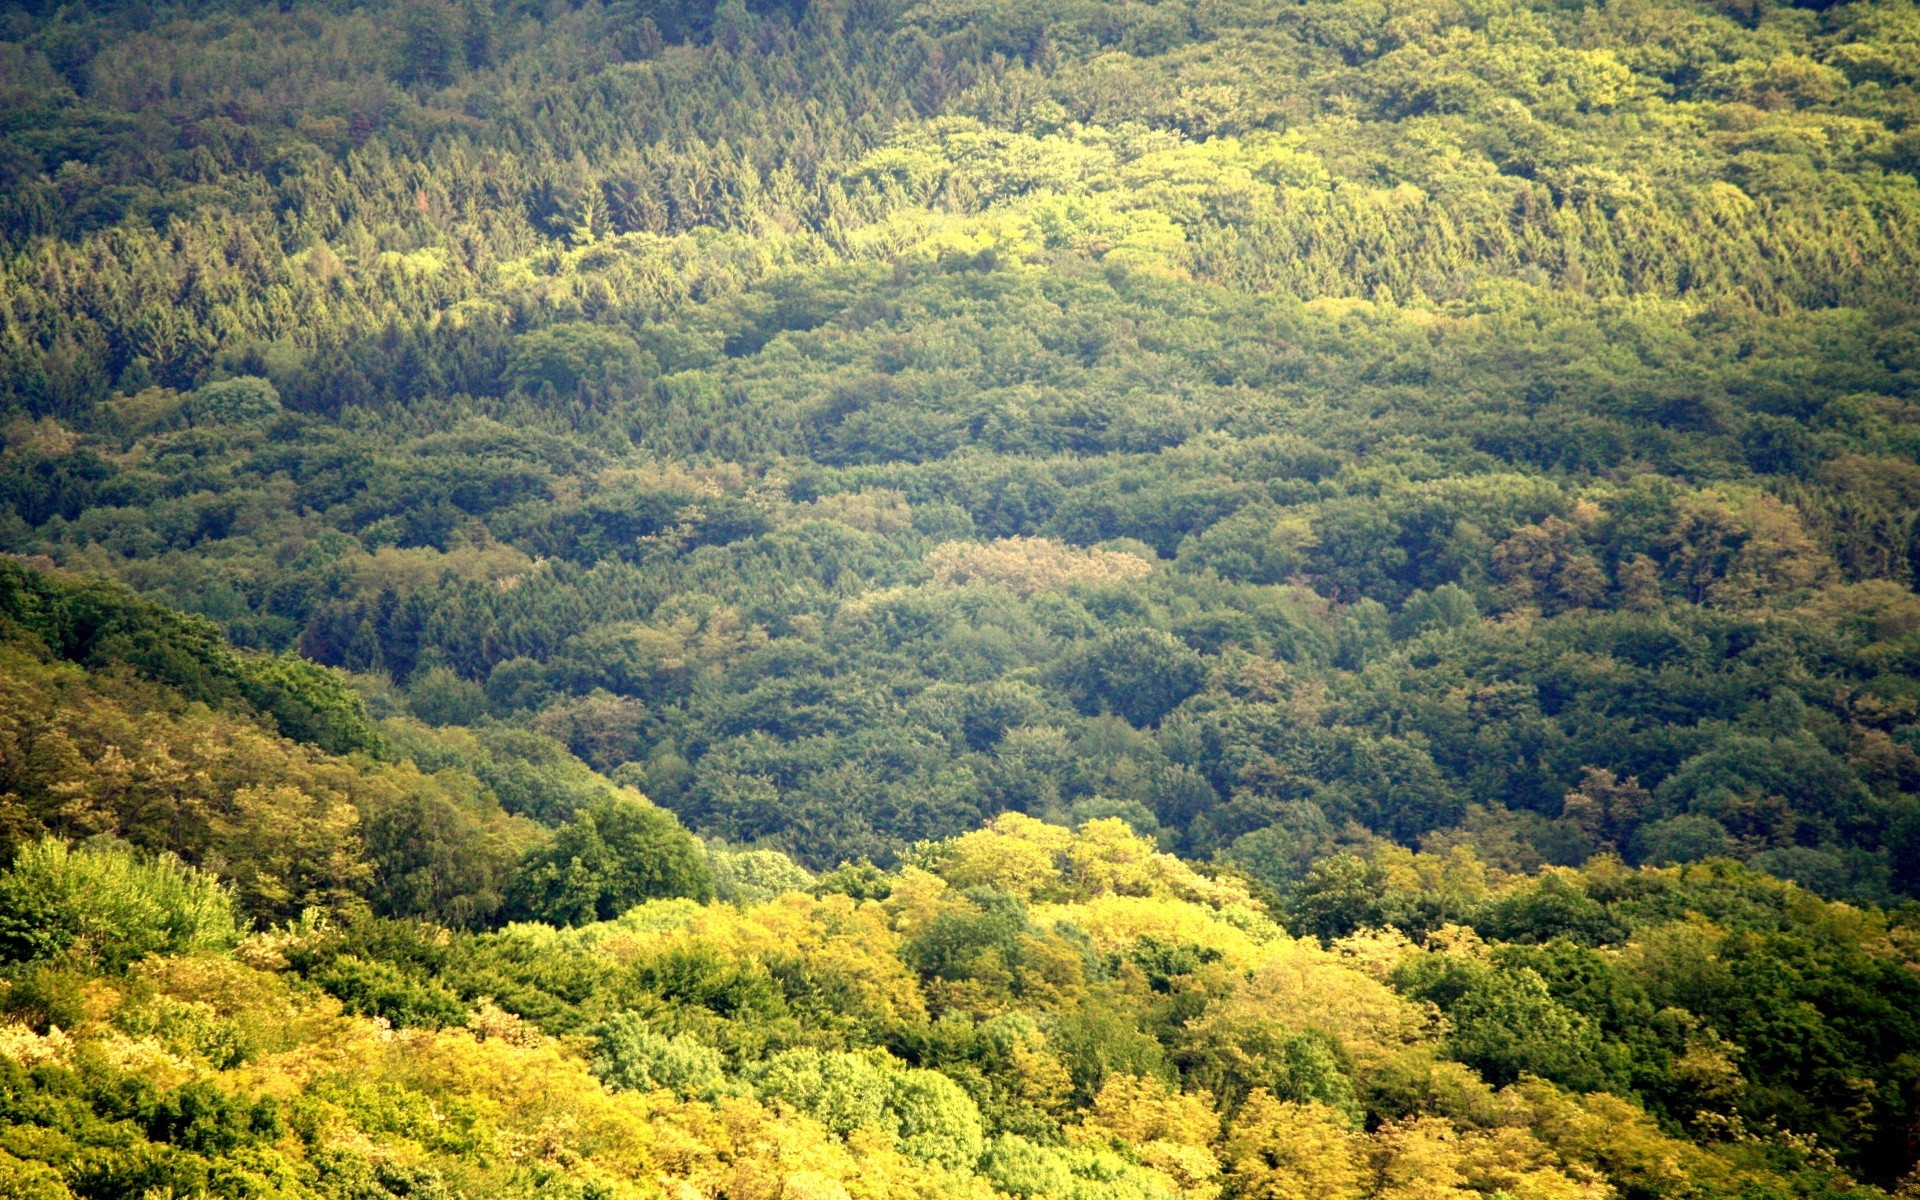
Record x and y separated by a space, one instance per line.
1040 1078
1114 923
1737 547
1513 1161
850 947
30 1049
1883 609
1049 863
877 510
22 438
489 1022
1015 854
194 1012
1419 1160
1608 1135
147 1056
1109 858
812 1185
1141 1108
1417 1080
1301 987
1428 1159
1283 1151
403 571
1458 872
1169 1131
1195 1170
743 1151
918 897
1027 565
1376 952
539 1100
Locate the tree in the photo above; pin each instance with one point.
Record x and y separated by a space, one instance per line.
632 1057
1139 673
1339 896
1735 548
615 854
1681 839
109 904
1550 565
1276 1150
442 855
1506 1024
578 358
431 40
1607 809
232 401
923 1112
439 696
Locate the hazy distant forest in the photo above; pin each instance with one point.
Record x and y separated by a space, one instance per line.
1000 599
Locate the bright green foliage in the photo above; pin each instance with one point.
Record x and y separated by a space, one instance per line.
613 855
1506 1024
1018 1167
231 401
754 876
632 1057
109 905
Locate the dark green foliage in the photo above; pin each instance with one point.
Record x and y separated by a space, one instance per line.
576 358
613 855
1339 896
1141 674
440 697
955 945
101 625
1555 909
308 703
440 854
1687 838
1506 1024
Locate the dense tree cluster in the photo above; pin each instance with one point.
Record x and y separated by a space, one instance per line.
848 424
1024 1011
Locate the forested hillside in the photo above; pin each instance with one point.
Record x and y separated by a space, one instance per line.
1215 598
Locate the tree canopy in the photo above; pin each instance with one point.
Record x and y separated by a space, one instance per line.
841 598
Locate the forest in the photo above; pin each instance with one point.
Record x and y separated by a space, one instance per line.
847 599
